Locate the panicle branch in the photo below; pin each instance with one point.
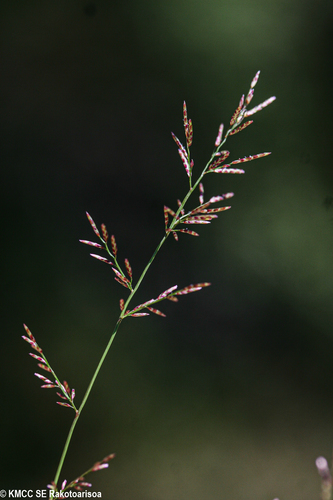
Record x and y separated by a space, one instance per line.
66 394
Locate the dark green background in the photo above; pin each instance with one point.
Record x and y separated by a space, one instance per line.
230 396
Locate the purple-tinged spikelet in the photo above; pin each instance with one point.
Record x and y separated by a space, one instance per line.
184 159
215 210
120 276
188 231
189 133
260 106
93 225
138 315
249 97
192 288
36 357
102 259
222 197
175 235
255 79
248 158
201 195
219 136
64 404
237 111
128 268
114 246
122 282
167 292
223 156
44 367
156 311
104 233
179 205
185 115
228 171
241 127
172 298
121 304
91 243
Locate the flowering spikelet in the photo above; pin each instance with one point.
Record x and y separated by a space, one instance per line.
179 144
31 340
326 478
228 171
102 259
175 235
221 157
201 196
104 233
114 246
249 97
179 205
93 225
219 135
120 276
91 243
184 159
138 315
237 111
121 304
185 116
187 231
192 288
167 292
189 134
122 282
156 311
255 79
241 127
128 268
260 106
248 158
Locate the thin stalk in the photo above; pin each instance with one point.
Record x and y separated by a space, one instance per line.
90 386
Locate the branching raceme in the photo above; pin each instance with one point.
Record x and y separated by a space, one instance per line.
175 223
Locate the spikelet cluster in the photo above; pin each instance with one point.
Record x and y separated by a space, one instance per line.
120 277
66 394
79 484
216 165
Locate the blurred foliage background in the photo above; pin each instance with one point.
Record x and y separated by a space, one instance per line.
230 396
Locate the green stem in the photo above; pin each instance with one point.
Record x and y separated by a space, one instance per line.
71 430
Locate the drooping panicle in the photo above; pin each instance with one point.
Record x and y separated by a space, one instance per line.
219 136
93 225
